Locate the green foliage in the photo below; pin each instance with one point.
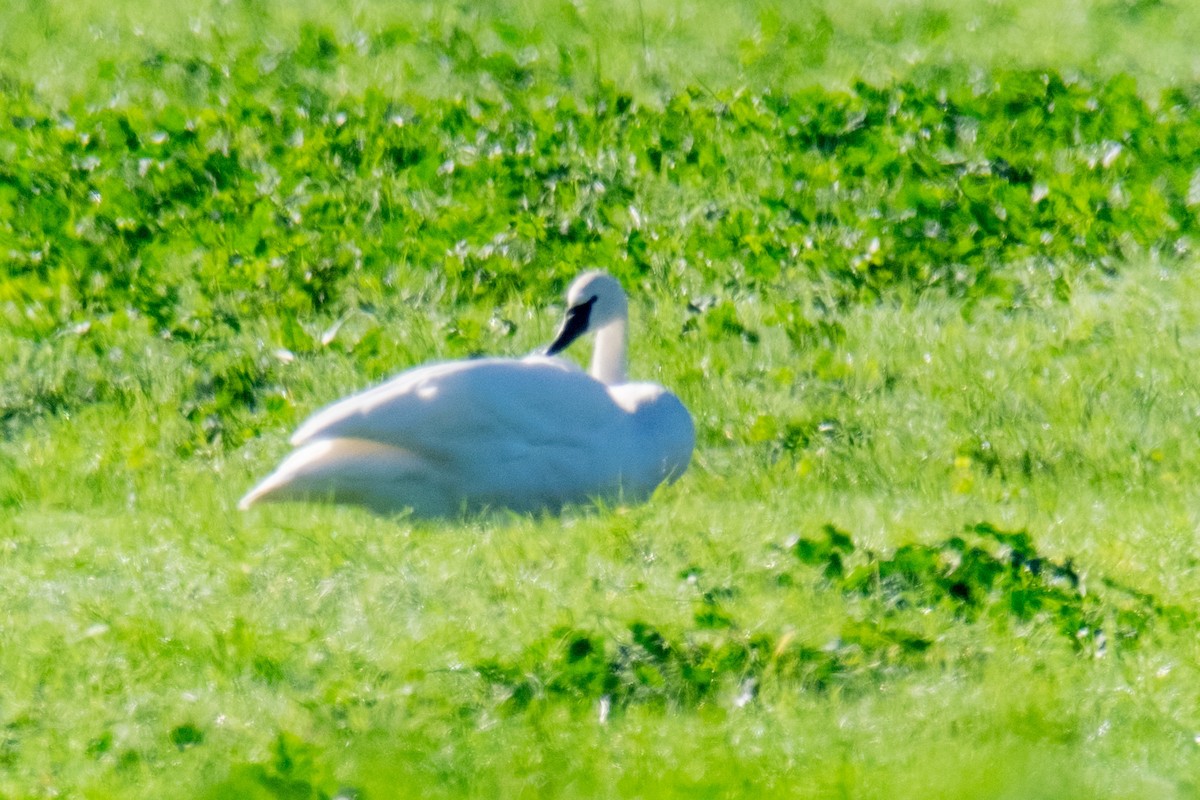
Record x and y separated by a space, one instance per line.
192 215
184 219
986 574
184 736
294 772
989 573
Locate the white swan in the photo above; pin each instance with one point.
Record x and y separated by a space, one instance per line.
524 434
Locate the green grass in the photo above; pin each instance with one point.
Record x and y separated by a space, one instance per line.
645 46
139 602
912 316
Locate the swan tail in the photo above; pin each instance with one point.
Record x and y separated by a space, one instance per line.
384 478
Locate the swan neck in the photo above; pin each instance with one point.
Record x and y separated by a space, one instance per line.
608 357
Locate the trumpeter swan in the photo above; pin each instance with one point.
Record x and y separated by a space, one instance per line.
524 434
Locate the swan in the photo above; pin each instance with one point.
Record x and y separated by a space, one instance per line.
527 434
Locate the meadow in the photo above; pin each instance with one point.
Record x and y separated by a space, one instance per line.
923 272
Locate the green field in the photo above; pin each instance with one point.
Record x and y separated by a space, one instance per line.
924 273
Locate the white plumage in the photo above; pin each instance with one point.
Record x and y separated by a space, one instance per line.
524 434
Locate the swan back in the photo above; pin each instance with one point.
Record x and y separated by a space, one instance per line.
452 409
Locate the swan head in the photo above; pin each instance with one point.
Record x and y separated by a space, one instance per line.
595 301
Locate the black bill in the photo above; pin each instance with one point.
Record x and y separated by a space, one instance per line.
574 326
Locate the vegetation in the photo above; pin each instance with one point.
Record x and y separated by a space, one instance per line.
929 297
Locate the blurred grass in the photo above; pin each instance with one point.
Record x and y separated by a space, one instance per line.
648 47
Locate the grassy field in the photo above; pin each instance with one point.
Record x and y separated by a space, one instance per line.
644 46
924 273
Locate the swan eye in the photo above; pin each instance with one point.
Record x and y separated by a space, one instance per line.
574 326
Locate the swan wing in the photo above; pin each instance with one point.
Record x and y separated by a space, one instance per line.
478 410
368 409
375 475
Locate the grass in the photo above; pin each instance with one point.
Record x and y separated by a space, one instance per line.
139 603
247 210
641 45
